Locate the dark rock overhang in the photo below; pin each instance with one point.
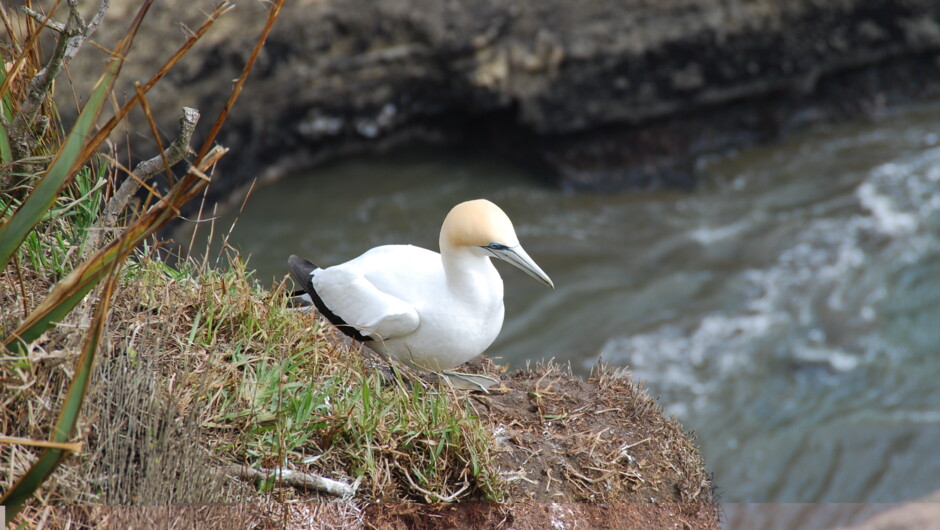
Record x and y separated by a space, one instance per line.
598 95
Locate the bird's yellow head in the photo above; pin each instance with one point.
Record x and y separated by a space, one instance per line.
477 224
482 226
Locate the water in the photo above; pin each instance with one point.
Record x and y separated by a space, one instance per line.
788 311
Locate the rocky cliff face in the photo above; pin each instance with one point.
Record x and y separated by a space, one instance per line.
603 94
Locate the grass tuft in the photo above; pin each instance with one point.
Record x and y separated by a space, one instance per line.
273 386
204 368
53 248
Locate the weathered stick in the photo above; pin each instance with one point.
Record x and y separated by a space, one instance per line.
72 35
177 151
292 478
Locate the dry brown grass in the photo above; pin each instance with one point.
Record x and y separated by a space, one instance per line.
205 368
267 515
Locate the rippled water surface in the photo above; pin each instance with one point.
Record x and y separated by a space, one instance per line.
788 311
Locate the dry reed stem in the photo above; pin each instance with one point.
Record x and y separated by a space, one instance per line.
119 116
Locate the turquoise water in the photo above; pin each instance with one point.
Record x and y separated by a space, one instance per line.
788 311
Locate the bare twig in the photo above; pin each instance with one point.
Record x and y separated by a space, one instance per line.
106 129
71 36
154 130
177 151
44 20
293 478
75 42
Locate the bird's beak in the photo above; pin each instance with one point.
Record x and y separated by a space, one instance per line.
518 257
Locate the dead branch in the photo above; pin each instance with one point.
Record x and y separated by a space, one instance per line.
177 151
293 478
43 20
72 35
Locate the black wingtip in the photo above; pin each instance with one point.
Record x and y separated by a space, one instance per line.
301 268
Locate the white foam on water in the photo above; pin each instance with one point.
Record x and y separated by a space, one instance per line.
708 235
830 275
877 195
817 322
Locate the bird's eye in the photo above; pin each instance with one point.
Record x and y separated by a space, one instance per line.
495 246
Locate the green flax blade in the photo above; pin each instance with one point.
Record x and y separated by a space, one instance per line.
69 291
5 154
66 162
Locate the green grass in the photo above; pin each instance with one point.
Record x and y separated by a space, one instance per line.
275 377
270 386
53 248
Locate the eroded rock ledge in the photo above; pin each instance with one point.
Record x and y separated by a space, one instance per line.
602 95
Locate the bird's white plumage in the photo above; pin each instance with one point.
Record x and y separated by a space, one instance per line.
365 299
400 296
430 310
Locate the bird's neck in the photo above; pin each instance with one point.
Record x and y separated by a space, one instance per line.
470 271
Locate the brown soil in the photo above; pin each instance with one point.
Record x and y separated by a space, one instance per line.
602 440
577 454
542 515
332 515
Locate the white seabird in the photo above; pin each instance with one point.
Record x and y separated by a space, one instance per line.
428 310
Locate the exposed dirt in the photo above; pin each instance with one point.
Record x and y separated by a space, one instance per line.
576 454
602 440
542 515
333 515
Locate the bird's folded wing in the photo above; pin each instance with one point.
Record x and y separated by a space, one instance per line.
361 304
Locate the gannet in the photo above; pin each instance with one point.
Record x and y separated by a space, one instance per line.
426 309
